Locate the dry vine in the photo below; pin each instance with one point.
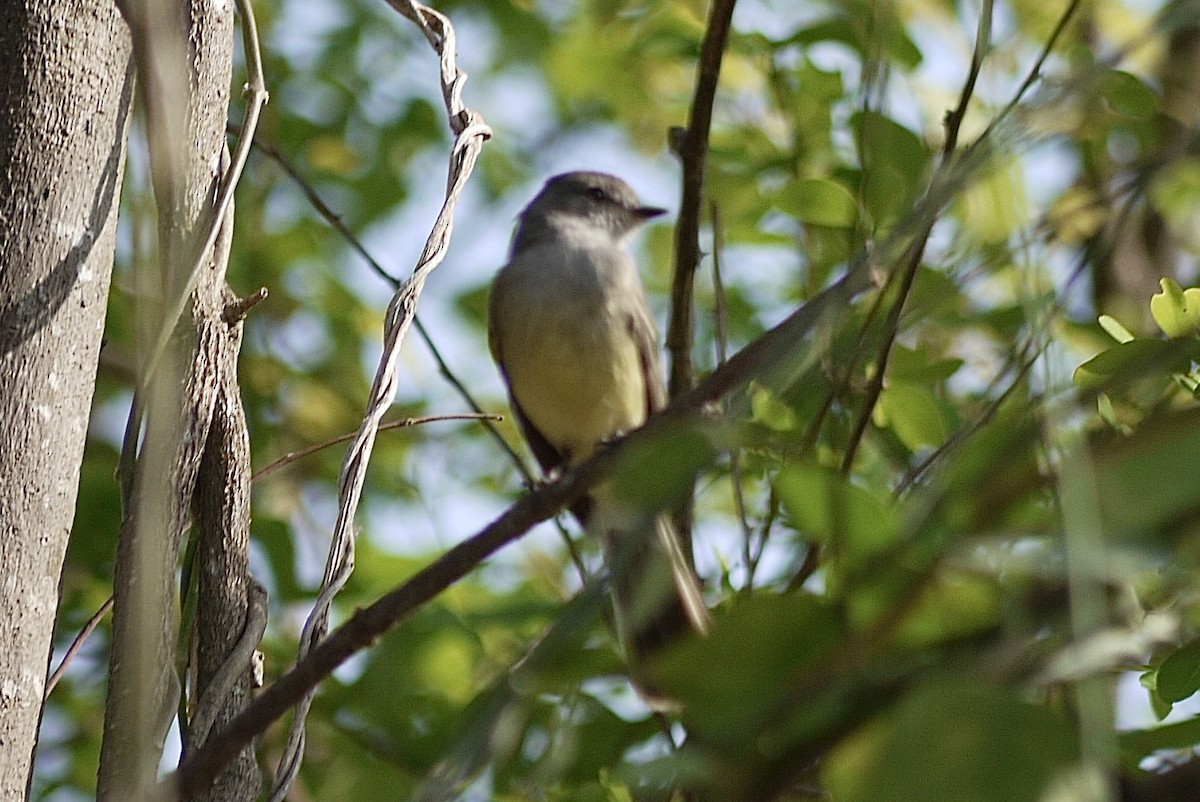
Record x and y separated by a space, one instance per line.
470 133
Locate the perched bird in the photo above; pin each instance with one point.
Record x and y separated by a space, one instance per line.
571 331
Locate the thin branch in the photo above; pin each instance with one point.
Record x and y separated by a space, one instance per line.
692 147
949 156
721 325
956 441
77 644
293 456
983 43
769 517
1035 72
236 311
891 328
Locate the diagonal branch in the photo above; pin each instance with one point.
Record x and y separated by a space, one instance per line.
771 360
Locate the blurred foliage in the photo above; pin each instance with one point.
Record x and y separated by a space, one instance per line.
899 570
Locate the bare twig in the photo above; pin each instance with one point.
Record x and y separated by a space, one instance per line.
234 667
470 133
692 147
1025 363
721 324
236 311
1035 72
983 43
77 644
289 458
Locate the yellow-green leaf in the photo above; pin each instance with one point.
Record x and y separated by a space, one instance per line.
913 414
1175 310
819 202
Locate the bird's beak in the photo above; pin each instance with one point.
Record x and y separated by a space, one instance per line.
647 212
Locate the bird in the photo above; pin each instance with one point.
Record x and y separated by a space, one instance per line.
571 330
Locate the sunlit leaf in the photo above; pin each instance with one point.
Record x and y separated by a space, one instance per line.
824 506
1132 360
1176 310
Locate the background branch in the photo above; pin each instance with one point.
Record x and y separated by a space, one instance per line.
691 144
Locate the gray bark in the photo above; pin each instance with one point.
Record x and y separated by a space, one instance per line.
223 528
184 65
65 87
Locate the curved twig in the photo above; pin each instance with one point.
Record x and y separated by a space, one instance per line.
292 456
234 667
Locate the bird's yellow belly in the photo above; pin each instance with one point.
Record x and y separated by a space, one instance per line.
579 385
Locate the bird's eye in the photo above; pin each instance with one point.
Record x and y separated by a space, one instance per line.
596 193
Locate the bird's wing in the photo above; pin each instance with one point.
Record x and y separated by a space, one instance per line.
644 333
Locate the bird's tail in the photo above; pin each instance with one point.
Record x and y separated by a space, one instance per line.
656 595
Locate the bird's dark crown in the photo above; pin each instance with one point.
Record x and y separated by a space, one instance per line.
597 199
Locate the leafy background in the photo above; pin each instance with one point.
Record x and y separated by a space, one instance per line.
1008 549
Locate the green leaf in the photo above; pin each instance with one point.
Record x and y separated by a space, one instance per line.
823 505
914 414
1108 413
894 165
1176 311
1149 681
1132 360
1175 193
1147 482
759 643
1179 675
995 205
819 202
1179 735
1127 95
916 365
955 739
769 410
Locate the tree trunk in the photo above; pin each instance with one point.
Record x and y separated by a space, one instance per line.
65 88
189 394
